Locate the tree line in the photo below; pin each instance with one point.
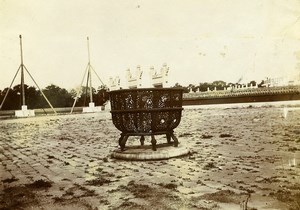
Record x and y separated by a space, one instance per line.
58 97
218 85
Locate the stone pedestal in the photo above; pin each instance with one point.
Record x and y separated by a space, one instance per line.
24 112
92 108
164 151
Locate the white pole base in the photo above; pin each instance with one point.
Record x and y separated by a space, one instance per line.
92 108
24 112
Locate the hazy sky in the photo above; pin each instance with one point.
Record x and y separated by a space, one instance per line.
200 40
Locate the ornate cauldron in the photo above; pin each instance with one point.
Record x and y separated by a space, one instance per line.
146 111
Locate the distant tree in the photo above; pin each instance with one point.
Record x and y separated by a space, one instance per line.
14 98
197 87
204 86
58 97
177 85
192 87
230 84
253 83
219 84
12 101
32 96
73 92
211 86
17 96
84 96
102 95
262 83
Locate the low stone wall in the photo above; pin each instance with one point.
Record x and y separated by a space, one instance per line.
46 111
244 92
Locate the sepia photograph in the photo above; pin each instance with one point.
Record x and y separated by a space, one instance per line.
150 105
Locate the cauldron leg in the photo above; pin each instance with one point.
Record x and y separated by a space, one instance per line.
168 138
142 140
123 142
175 139
120 139
153 142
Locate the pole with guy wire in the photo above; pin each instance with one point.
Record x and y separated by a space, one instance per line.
22 67
88 72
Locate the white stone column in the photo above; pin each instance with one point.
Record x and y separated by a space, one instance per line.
114 83
134 81
160 79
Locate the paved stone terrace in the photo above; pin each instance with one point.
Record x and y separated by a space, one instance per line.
63 162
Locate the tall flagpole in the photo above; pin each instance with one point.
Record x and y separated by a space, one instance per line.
23 68
90 73
22 73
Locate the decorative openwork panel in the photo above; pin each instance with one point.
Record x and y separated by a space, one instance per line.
146 110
